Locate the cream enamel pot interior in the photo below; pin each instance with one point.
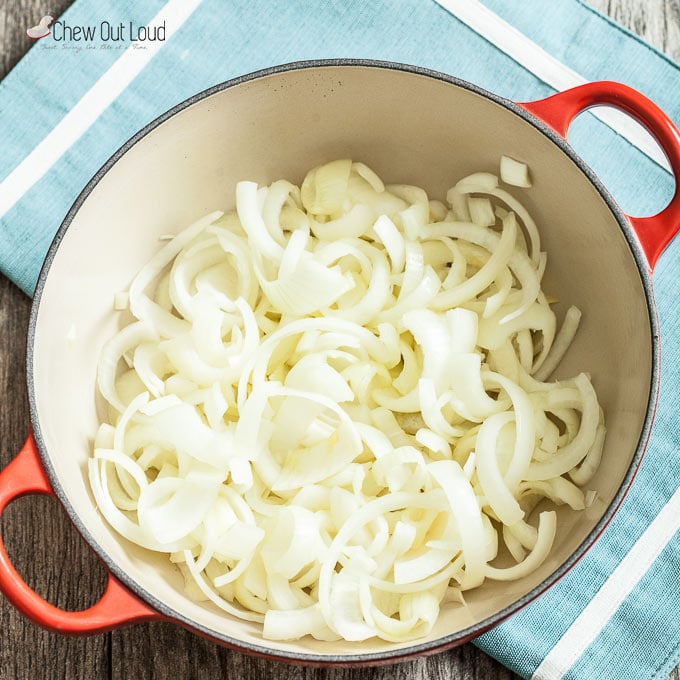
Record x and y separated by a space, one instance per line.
410 125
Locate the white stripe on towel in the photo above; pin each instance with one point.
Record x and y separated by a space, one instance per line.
94 102
597 613
550 70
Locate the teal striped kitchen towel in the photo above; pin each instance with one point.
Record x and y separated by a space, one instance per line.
85 88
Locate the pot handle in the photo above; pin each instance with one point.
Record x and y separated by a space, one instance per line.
558 111
117 605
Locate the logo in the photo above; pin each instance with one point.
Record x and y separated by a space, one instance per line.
104 35
40 30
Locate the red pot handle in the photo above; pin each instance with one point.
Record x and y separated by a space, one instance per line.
558 111
117 605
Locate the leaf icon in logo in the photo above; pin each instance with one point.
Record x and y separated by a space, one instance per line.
40 30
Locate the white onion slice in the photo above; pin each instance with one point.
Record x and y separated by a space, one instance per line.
547 526
451 478
332 402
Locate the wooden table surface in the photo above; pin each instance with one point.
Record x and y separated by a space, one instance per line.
57 563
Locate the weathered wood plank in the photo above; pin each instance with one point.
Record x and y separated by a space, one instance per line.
39 537
657 21
37 533
160 650
15 17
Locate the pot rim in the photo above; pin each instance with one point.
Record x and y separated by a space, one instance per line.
416 649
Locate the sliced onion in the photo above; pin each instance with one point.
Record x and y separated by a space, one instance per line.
464 507
547 526
333 400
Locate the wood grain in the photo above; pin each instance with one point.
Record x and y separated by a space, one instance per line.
54 560
151 651
39 538
657 21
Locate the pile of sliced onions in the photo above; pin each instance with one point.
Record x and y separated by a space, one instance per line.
330 408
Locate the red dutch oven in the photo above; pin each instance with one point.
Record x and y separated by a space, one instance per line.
411 125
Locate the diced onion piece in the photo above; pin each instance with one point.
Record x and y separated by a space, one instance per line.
433 441
292 624
324 187
481 211
514 172
590 497
121 300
